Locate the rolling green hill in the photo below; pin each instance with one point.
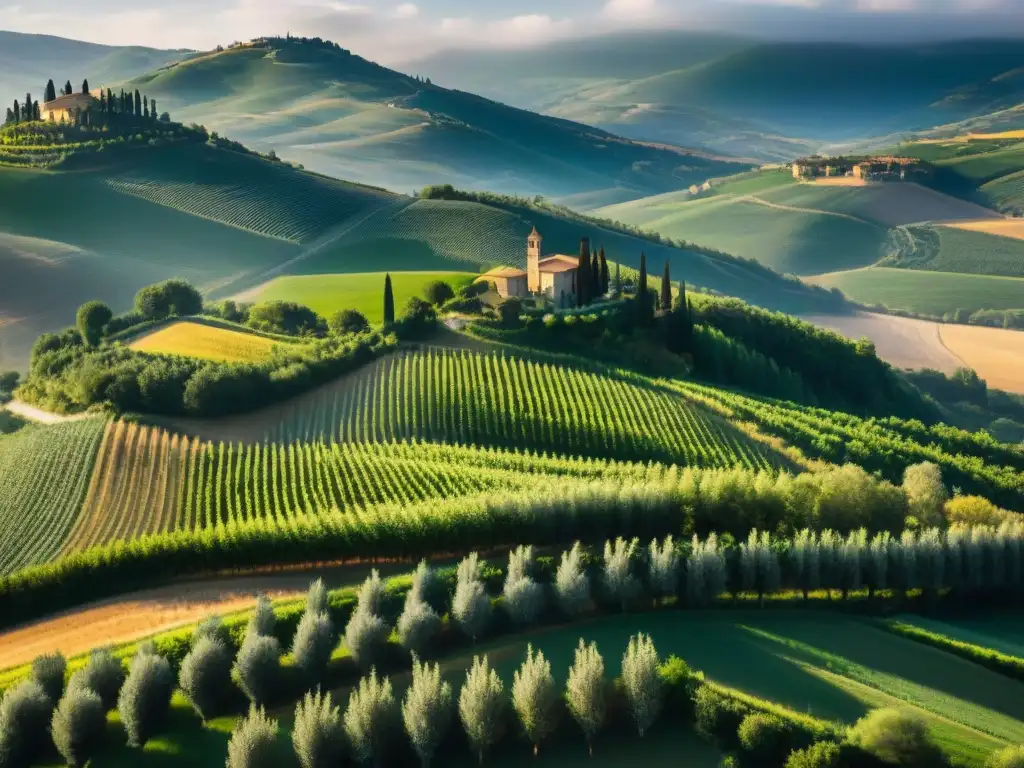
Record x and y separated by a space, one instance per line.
28 61
741 96
341 114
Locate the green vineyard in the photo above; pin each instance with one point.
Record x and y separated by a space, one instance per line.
149 481
265 198
44 472
470 398
975 467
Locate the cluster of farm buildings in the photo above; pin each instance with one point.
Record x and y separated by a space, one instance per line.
878 168
67 108
551 276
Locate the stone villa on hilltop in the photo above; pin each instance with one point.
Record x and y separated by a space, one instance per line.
67 108
551 276
879 168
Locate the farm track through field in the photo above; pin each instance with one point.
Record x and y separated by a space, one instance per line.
794 209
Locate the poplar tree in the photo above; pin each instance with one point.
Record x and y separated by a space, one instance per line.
534 697
585 692
389 301
571 583
427 709
371 718
523 597
663 568
471 606
318 735
619 581
641 682
482 706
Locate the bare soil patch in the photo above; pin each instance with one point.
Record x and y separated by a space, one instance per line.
996 354
840 181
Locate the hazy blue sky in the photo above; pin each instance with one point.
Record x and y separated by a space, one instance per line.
393 30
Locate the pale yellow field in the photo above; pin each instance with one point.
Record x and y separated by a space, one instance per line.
1003 227
996 354
197 340
840 181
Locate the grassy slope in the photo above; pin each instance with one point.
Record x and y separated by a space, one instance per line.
349 117
930 293
327 294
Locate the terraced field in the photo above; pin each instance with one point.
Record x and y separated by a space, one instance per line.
205 341
44 473
148 480
363 291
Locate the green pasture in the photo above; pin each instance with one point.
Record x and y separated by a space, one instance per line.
930 293
327 294
1003 632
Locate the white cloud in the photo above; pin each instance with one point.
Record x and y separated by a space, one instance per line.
632 11
406 11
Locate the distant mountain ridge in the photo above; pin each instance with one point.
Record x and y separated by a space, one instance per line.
772 100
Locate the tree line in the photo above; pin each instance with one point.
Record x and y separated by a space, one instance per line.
109 106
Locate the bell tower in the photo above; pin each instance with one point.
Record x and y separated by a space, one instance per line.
534 250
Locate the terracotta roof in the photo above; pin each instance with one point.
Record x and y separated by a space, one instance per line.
506 272
69 100
558 264
574 260
535 233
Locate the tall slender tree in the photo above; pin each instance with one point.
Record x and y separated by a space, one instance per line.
50 93
605 279
36 115
617 284
27 111
145 106
17 111
583 274
666 290
138 103
643 293
85 86
111 108
152 108
595 275
68 90
10 117
389 301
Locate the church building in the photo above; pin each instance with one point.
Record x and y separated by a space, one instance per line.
553 277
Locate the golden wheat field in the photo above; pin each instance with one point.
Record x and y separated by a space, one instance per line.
1003 227
210 343
995 353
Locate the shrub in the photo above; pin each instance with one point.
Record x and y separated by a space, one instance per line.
205 676
372 593
316 598
509 311
681 684
286 317
253 743
641 682
313 645
262 621
717 717
619 582
1008 757
24 717
258 668
926 493
171 297
524 597
318 735
767 739
48 670
211 627
534 697
585 691
823 754
145 697
78 725
348 321
896 737
437 292
371 718
365 637
571 583
482 706
427 709
91 319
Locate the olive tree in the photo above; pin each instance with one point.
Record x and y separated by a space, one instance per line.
145 697
313 645
205 676
263 620
253 743
258 668
371 718
318 735
48 670
78 725
24 717
103 675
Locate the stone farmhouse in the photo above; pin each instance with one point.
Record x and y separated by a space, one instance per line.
553 277
67 108
878 168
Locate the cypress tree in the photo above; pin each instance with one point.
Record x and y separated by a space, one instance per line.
138 103
68 90
152 108
27 112
583 274
605 281
35 111
641 287
389 301
618 282
643 293
50 93
17 111
85 86
595 276
110 101
10 116
145 106
666 290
